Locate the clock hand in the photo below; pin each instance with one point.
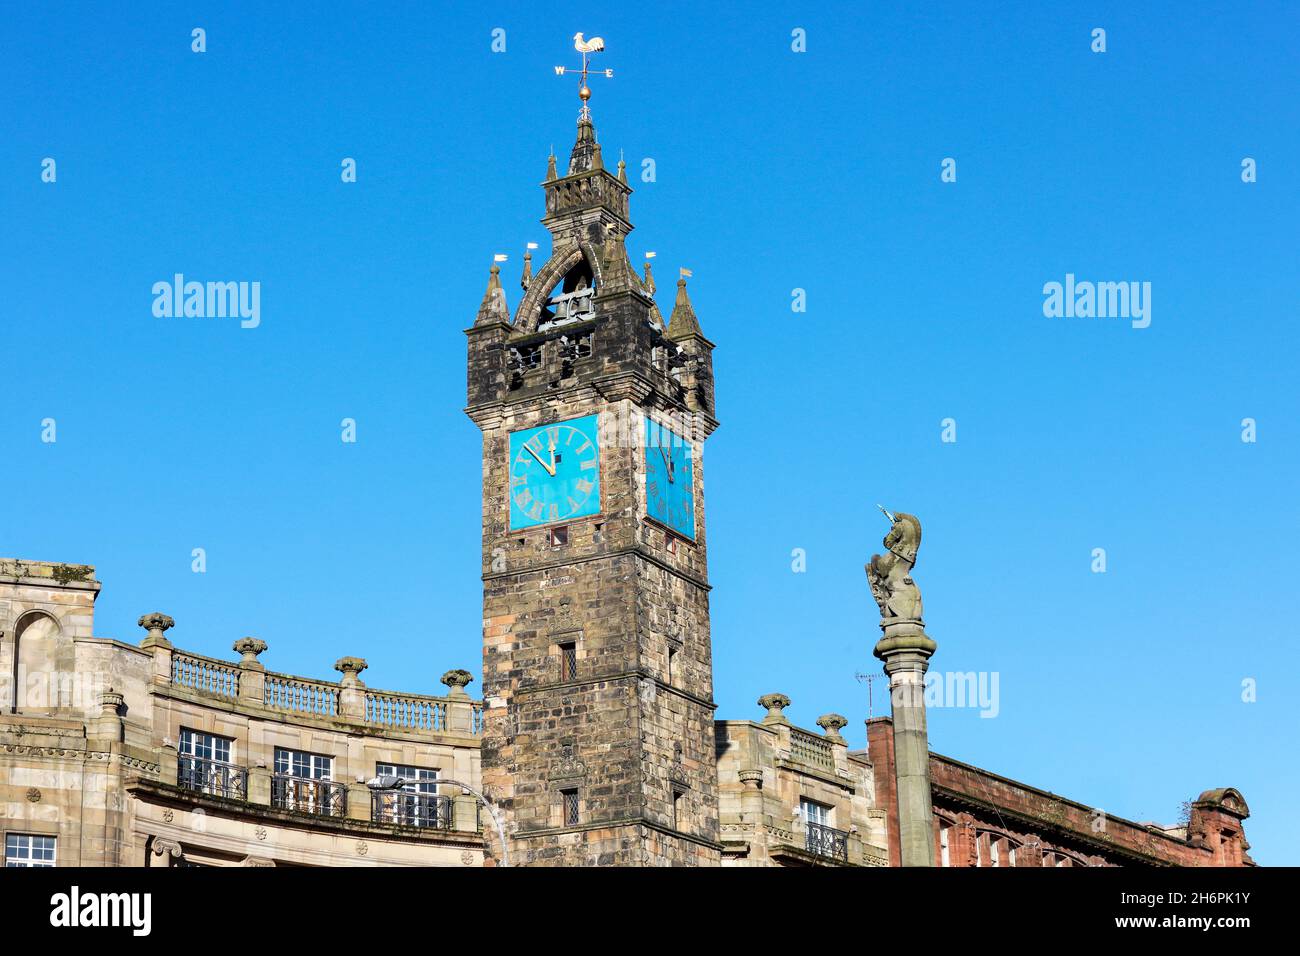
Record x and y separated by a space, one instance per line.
550 469
668 462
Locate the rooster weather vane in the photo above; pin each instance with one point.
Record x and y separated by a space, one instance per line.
586 48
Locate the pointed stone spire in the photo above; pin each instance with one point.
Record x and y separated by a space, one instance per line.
596 162
584 148
493 308
527 278
649 279
622 169
550 167
683 323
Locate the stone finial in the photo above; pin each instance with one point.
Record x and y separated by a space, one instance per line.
550 167
156 623
456 681
622 170
682 323
350 667
752 779
775 703
249 647
527 278
649 279
833 724
493 308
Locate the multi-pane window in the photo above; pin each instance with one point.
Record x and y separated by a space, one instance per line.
944 859
1011 856
27 850
205 746
302 782
569 802
995 852
569 660
299 763
416 803
818 814
203 764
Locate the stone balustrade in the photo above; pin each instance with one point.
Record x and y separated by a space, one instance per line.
247 683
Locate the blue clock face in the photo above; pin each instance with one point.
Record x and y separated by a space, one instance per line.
669 479
554 473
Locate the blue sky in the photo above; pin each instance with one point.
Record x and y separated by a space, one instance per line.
775 170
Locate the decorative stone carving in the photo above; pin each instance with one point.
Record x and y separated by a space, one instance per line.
890 574
569 765
775 704
33 795
677 772
168 816
833 724
111 703
467 857
168 847
456 680
362 848
249 647
156 624
260 833
350 667
752 779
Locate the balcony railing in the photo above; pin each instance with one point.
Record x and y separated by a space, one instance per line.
213 777
321 797
404 809
827 841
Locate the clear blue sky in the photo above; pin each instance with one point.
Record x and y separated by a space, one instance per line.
776 171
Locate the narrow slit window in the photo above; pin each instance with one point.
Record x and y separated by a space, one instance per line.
569 660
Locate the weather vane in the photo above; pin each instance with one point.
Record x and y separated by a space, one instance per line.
586 48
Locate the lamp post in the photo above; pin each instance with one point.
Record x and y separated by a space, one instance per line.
393 783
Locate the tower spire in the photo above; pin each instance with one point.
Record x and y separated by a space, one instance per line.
683 323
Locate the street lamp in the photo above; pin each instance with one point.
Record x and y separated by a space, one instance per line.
390 782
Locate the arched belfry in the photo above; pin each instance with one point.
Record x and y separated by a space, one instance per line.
597 664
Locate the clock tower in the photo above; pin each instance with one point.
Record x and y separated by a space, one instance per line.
598 741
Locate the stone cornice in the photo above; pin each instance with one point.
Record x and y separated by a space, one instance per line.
638 675
636 550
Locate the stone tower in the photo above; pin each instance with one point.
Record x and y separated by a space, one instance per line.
598 741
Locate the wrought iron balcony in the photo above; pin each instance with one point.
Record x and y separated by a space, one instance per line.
828 842
404 809
321 797
212 776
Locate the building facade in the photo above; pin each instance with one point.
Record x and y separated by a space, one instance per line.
114 754
596 742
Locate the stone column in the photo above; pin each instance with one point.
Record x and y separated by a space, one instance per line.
905 650
352 693
252 673
460 707
157 624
